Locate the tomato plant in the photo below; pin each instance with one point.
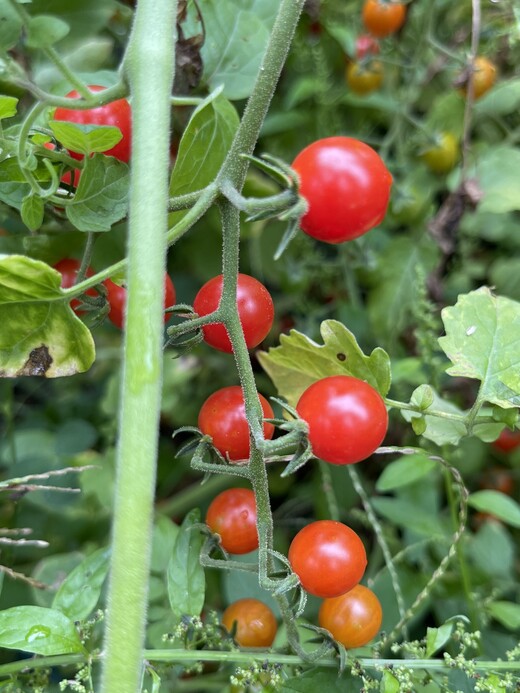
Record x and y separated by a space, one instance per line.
232 515
382 18
255 310
442 156
68 268
347 187
116 296
363 79
255 623
353 618
347 418
507 441
328 557
117 113
484 77
223 417
366 45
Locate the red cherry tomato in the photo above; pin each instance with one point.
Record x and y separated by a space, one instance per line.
223 417
68 268
256 623
363 79
347 187
255 309
382 18
328 557
116 296
117 113
232 514
347 418
366 45
354 618
507 441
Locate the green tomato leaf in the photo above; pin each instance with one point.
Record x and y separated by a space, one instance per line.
237 32
8 106
403 471
498 504
482 336
10 26
44 31
186 580
503 99
101 199
80 591
38 630
438 637
493 551
299 361
506 613
203 147
399 277
164 536
40 333
85 139
437 429
13 186
32 211
400 511
497 173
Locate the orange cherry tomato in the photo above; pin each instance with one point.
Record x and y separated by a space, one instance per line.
353 618
256 623
382 17
484 76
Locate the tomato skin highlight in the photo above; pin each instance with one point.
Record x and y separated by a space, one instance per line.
223 417
328 557
256 623
68 268
232 515
255 309
117 113
383 18
116 296
353 618
347 418
347 187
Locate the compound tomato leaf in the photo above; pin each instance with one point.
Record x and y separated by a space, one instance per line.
101 199
185 575
40 334
497 504
80 591
299 361
203 147
482 337
38 630
85 139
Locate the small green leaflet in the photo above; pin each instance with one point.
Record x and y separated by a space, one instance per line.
506 613
79 593
498 504
186 580
43 31
85 139
403 471
38 630
299 361
40 334
8 106
482 341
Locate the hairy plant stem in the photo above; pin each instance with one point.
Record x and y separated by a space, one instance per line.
149 64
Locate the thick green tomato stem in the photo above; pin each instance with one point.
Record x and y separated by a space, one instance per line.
149 65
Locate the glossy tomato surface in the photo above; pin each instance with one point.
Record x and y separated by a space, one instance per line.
346 185
354 618
118 113
255 309
232 515
382 18
363 79
68 268
255 623
223 417
116 296
328 557
347 418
